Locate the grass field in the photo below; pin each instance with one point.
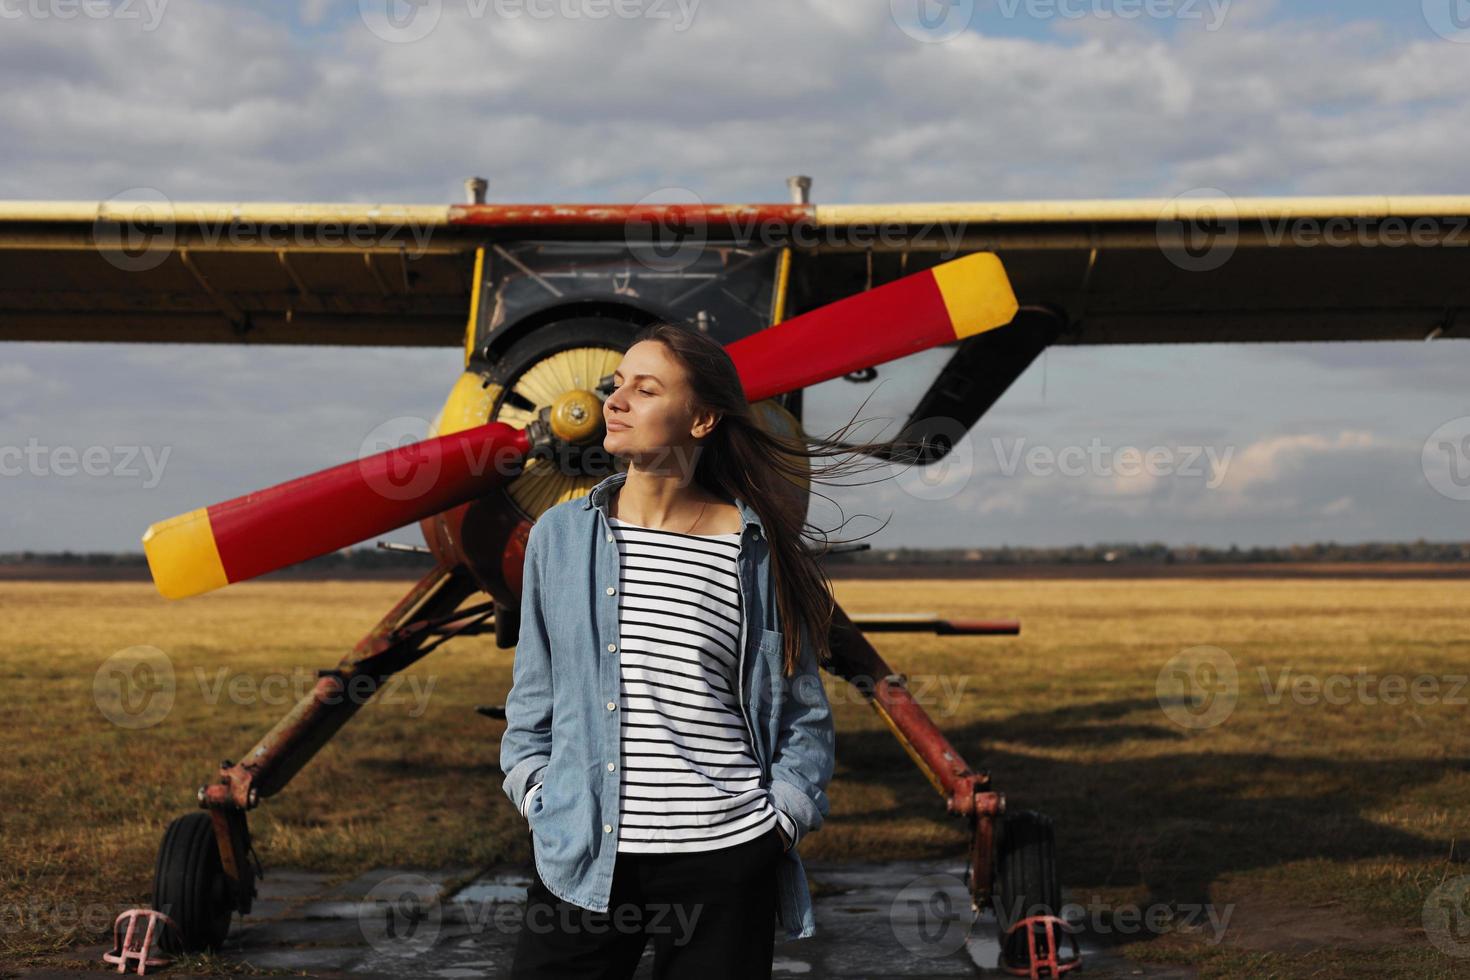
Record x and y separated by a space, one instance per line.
1321 819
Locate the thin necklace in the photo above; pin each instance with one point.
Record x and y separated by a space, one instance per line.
696 519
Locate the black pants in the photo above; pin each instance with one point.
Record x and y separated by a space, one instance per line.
711 915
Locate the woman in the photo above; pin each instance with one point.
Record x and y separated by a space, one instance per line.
667 735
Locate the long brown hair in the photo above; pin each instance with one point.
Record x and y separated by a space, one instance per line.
740 459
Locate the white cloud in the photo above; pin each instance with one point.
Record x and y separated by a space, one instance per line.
1271 460
223 102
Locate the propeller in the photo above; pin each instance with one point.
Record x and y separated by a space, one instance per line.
335 508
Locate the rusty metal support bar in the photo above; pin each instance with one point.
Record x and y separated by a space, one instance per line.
398 640
967 792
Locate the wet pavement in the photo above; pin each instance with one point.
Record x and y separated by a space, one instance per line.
902 919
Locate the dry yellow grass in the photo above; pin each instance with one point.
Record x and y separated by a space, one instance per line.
1292 802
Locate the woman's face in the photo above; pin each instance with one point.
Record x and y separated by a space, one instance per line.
648 415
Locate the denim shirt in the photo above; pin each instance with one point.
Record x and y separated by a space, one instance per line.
562 725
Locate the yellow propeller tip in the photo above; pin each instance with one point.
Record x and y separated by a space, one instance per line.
182 555
977 292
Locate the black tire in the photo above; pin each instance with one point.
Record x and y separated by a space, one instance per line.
190 885
1026 880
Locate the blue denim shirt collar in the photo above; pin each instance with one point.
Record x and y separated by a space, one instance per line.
597 497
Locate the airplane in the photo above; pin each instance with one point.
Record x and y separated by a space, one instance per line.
543 299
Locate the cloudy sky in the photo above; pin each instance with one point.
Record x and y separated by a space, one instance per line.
614 100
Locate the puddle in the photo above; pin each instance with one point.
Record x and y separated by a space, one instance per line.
904 919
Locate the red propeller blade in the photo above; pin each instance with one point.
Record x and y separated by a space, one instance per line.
313 515
952 301
335 508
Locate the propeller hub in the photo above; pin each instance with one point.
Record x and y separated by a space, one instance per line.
576 416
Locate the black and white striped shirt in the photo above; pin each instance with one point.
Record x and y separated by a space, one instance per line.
690 781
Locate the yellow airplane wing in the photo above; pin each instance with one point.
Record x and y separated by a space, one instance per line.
1124 271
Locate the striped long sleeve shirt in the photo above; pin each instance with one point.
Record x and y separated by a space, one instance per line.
690 781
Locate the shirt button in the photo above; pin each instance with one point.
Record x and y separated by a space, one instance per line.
607 828
611 590
611 705
609 537
609 767
612 648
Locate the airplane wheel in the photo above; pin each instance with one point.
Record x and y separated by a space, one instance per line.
1026 868
190 885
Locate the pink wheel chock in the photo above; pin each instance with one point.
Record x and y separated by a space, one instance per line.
145 949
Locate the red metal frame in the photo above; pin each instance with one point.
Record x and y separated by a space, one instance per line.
430 614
